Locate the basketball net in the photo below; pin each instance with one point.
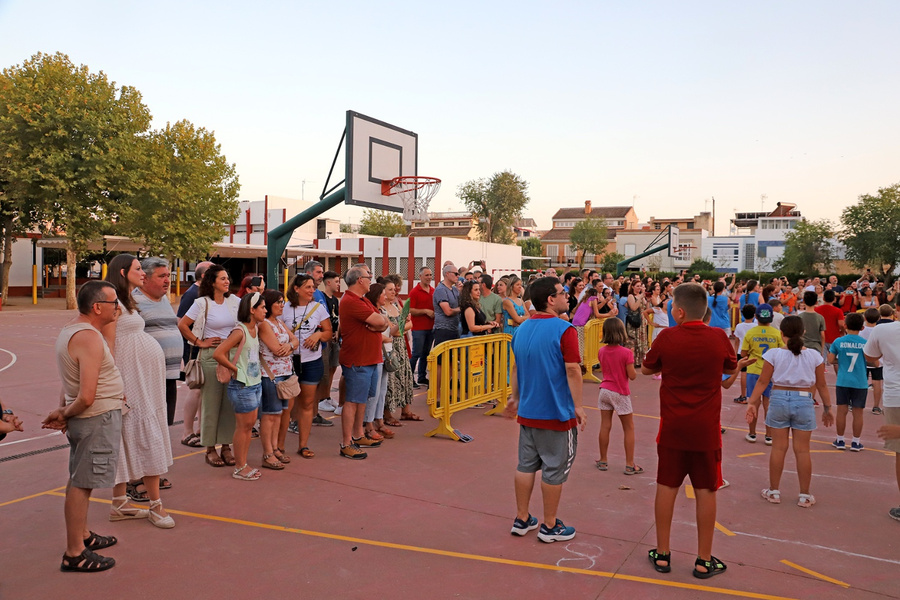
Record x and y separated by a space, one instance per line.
415 192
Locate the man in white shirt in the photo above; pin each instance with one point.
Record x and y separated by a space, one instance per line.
884 344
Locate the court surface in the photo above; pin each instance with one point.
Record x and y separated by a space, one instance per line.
430 518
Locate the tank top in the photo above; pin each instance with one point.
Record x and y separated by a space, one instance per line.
110 387
509 326
280 366
248 362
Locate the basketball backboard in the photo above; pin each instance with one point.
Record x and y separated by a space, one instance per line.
674 248
377 151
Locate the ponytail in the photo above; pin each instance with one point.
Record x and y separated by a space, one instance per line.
792 330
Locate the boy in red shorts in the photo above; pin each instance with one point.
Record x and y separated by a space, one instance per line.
692 358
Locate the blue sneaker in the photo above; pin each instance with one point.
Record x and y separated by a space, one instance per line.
839 444
560 533
855 446
521 527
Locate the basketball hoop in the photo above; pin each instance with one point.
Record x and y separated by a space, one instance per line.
416 193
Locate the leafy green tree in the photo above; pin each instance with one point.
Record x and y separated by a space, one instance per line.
610 260
346 228
589 237
808 248
531 246
68 140
189 193
701 265
496 203
382 223
870 230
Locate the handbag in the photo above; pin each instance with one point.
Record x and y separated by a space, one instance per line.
633 318
193 374
224 374
287 389
391 360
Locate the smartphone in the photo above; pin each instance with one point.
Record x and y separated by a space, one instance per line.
256 281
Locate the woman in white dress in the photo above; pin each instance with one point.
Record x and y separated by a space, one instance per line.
146 452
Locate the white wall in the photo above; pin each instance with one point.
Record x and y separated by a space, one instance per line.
20 273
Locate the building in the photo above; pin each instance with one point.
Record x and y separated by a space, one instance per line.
556 243
759 242
525 227
459 224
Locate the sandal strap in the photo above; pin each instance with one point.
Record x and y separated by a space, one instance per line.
95 541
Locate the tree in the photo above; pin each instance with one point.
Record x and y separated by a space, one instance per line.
531 246
701 265
383 223
496 203
807 248
610 261
189 193
68 144
870 230
589 237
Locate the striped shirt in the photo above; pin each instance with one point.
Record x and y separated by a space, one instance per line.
162 324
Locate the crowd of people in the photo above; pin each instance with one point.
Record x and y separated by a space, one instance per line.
266 364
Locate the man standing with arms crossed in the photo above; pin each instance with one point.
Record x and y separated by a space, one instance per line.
421 308
90 414
546 349
314 269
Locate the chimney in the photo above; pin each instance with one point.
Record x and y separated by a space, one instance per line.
587 207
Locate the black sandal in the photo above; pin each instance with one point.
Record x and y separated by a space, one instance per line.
713 566
86 562
656 557
131 490
98 542
165 484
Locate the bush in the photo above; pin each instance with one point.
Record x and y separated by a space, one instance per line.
700 264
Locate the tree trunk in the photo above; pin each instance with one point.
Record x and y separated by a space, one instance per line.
7 257
71 260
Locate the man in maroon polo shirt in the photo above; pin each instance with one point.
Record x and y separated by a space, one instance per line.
361 327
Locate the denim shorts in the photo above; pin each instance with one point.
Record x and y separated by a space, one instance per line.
244 398
360 383
752 378
312 371
271 403
791 409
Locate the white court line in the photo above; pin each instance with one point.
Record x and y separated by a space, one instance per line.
808 545
40 437
14 359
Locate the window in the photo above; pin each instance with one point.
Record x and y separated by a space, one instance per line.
630 249
615 222
447 223
464 223
657 226
552 250
570 251
689 225
420 224
240 229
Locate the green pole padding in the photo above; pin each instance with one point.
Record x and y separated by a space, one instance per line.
281 235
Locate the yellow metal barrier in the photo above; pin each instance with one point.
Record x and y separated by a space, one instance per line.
473 370
593 333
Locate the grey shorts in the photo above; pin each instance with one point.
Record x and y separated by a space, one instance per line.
892 417
331 354
94 450
550 452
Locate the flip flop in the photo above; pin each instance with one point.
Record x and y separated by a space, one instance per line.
410 417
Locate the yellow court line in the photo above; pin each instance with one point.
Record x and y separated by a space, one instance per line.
689 491
886 452
816 575
54 490
724 529
463 555
751 454
827 451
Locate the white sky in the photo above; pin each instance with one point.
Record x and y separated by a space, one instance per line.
669 102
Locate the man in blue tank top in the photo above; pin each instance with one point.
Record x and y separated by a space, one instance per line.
546 351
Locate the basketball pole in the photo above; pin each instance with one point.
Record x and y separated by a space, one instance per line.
280 236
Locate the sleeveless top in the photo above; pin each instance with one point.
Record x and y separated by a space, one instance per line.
110 387
509 325
479 319
249 371
281 366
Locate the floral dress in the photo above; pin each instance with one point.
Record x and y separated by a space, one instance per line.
637 336
399 385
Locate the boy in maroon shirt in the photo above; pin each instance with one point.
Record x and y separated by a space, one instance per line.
834 319
692 358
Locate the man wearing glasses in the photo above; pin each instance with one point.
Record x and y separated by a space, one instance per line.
90 413
446 308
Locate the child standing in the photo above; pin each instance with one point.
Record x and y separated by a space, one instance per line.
852 387
876 373
748 312
692 358
758 341
617 364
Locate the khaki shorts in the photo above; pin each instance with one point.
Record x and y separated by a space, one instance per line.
331 353
94 450
892 417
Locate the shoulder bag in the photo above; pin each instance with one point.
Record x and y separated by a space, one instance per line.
287 389
224 374
633 317
193 374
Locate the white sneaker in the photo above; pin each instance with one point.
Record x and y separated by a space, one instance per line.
326 405
338 410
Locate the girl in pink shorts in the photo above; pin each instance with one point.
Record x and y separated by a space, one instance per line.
617 365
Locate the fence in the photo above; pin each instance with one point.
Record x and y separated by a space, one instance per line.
473 370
